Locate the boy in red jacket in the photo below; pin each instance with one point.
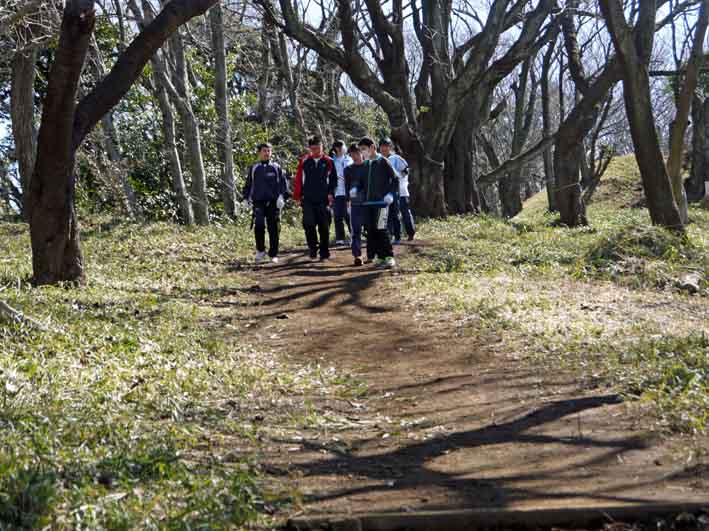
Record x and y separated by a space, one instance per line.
315 183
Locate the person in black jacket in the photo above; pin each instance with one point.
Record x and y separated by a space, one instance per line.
315 183
265 190
382 186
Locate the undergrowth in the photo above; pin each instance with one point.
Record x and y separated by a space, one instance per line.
134 410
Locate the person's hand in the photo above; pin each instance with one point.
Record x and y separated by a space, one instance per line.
330 199
248 203
353 192
280 202
388 199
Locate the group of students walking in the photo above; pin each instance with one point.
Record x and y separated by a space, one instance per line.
366 189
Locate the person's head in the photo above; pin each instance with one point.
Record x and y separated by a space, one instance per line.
264 151
355 153
385 146
338 148
368 147
315 146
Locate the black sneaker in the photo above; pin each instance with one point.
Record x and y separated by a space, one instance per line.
358 261
313 255
410 237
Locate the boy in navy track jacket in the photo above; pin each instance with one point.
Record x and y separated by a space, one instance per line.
265 190
315 183
382 186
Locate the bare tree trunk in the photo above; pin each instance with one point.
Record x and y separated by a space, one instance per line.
511 186
222 105
700 150
546 127
684 102
634 49
127 194
183 199
22 116
182 99
56 251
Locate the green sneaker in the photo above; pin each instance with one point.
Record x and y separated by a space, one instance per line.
389 262
378 262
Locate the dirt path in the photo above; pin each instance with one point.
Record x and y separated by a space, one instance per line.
448 421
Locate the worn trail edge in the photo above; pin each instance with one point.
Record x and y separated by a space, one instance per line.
449 420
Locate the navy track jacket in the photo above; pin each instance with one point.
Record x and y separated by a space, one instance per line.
265 182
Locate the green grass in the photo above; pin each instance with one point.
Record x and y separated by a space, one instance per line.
128 413
605 301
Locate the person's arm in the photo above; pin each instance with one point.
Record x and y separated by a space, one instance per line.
246 192
282 186
392 178
298 187
331 180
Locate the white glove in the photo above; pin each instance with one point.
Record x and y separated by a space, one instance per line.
353 192
248 203
280 202
388 199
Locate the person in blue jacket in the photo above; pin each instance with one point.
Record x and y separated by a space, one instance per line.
265 191
356 175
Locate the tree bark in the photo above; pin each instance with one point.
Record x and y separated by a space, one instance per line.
700 150
24 131
56 251
182 197
221 100
181 97
549 177
634 49
127 194
684 102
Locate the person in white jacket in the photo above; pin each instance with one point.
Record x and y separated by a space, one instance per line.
401 205
341 160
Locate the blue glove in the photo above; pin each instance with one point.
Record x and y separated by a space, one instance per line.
353 192
388 199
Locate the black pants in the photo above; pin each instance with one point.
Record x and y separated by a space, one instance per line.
378 240
266 214
397 207
316 222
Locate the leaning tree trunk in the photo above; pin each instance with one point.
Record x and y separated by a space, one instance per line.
700 151
221 101
22 116
56 252
634 48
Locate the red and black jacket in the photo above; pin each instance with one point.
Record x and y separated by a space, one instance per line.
315 179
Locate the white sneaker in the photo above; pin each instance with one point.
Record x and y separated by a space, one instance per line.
340 242
274 259
389 262
260 257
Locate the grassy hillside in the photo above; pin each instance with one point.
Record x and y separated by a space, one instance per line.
127 415
620 303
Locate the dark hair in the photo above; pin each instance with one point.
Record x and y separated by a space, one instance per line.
366 141
263 145
353 148
314 140
338 144
386 141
